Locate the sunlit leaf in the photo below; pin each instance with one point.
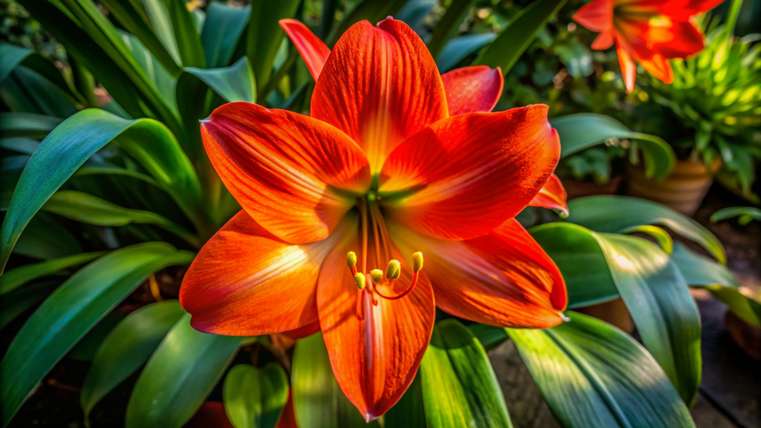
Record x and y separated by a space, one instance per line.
593 375
179 376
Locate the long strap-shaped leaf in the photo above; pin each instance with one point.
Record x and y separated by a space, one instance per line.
74 141
90 209
29 272
95 42
517 37
126 348
599 266
263 35
458 385
71 311
11 57
179 376
583 130
222 30
609 213
317 400
593 375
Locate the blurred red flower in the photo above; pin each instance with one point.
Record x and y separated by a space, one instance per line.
648 32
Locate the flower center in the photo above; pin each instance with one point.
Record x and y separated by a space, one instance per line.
374 240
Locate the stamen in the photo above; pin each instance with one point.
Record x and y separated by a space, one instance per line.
393 270
360 280
377 276
417 261
417 265
351 260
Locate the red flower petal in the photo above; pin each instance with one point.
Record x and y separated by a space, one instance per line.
245 282
552 195
503 279
475 88
374 359
379 85
313 51
465 175
684 9
282 167
659 67
675 39
628 68
597 15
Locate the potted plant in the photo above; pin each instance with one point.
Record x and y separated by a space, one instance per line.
710 114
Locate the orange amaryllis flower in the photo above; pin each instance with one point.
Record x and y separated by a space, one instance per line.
361 218
468 89
648 32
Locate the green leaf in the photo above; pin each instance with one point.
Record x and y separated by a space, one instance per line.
179 376
89 37
577 253
26 273
46 239
458 384
39 94
126 348
746 307
460 47
71 311
22 145
14 56
593 375
222 31
30 125
89 209
583 130
409 411
371 10
133 17
698 270
263 36
317 400
255 397
78 138
185 33
448 25
517 37
608 213
233 83
745 214
661 307
603 266
20 300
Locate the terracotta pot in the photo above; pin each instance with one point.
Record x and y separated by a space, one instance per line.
613 312
683 190
746 336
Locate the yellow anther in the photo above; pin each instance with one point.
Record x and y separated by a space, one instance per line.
376 275
417 261
360 279
393 269
351 259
